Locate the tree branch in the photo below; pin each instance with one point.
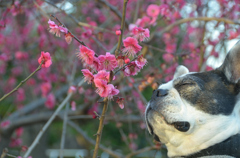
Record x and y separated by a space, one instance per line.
22 82
122 28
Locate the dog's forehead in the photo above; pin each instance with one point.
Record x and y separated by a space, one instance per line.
212 93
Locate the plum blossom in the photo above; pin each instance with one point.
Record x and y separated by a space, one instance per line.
145 21
140 33
46 59
153 10
45 88
120 60
113 91
232 35
118 32
131 46
73 106
5 124
86 55
55 29
68 37
103 75
168 57
108 61
102 88
88 76
120 102
19 131
72 89
131 69
96 64
141 61
50 102
164 10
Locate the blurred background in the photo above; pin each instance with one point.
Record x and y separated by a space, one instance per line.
194 33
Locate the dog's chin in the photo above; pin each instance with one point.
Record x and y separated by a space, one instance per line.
181 126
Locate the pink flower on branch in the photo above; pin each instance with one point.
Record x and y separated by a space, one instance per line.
46 59
103 75
50 102
96 64
108 61
140 33
120 102
141 61
86 55
132 69
88 76
5 124
102 88
118 32
113 91
131 46
55 29
153 10
68 37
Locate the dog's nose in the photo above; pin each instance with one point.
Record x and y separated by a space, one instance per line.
161 92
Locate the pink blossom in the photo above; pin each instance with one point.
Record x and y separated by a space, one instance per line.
127 61
20 95
102 88
45 88
153 10
140 33
73 105
131 26
5 124
54 29
168 57
120 60
131 46
131 69
21 55
232 35
96 64
103 75
108 61
118 32
63 29
88 76
15 142
140 62
46 58
68 37
72 89
86 54
50 102
120 102
171 47
164 10
113 91
19 131
143 22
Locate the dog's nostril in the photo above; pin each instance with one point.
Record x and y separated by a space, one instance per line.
162 92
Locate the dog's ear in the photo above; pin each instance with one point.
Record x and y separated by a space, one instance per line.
231 64
180 71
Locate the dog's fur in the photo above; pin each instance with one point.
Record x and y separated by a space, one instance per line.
198 114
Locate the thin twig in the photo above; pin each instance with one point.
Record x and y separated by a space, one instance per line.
113 9
225 20
4 153
122 28
48 123
81 42
115 72
21 83
85 136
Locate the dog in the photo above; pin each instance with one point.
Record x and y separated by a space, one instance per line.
197 114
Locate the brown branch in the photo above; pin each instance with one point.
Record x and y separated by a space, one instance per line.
122 28
225 20
100 128
85 136
141 151
81 42
113 9
22 82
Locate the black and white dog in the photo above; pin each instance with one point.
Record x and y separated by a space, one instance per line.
198 114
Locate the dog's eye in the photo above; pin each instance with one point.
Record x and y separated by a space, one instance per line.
186 83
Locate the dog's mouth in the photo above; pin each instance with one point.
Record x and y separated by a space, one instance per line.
182 126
